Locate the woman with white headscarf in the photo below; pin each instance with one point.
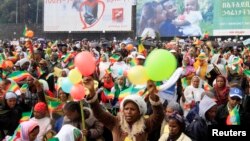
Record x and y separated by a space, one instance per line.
192 94
68 133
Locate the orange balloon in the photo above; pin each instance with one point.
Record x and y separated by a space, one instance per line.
129 47
30 33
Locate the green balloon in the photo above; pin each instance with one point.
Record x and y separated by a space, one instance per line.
160 65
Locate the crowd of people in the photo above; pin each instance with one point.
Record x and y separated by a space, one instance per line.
210 82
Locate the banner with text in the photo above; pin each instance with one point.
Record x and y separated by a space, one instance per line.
172 18
87 15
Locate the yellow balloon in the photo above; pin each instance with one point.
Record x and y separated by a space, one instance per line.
137 75
75 76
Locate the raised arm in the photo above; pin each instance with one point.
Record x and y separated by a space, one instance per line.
103 116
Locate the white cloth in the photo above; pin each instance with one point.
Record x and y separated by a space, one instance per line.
196 96
44 126
103 66
66 133
182 137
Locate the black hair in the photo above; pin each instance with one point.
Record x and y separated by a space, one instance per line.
72 106
180 121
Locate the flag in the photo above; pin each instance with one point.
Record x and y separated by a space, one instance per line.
207 87
184 82
67 58
13 87
18 75
55 105
71 65
25 30
24 88
234 117
133 62
141 49
39 72
114 58
4 74
130 91
25 117
108 71
108 94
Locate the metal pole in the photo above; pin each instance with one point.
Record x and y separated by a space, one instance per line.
16 11
37 7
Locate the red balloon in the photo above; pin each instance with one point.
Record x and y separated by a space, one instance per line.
77 92
85 62
30 33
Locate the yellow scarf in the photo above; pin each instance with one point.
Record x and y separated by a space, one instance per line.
203 69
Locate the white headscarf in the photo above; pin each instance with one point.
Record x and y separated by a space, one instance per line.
67 133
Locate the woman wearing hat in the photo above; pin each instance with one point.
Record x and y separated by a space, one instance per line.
130 124
201 66
234 103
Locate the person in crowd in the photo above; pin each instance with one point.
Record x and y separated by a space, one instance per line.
176 129
118 67
68 133
140 59
94 128
103 65
130 124
65 72
198 128
172 108
201 66
23 64
118 87
234 104
192 94
10 114
106 84
63 96
188 69
54 62
29 131
44 122
44 74
221 90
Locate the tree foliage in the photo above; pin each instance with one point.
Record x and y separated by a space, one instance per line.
24 11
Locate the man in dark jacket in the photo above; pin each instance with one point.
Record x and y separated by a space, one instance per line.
234 101
198 129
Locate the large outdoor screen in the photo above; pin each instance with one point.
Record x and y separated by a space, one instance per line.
193 17
87 15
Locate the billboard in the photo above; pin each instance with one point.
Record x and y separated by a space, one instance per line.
172 18
87 15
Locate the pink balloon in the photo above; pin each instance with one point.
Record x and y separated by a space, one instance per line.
77 92
85 62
